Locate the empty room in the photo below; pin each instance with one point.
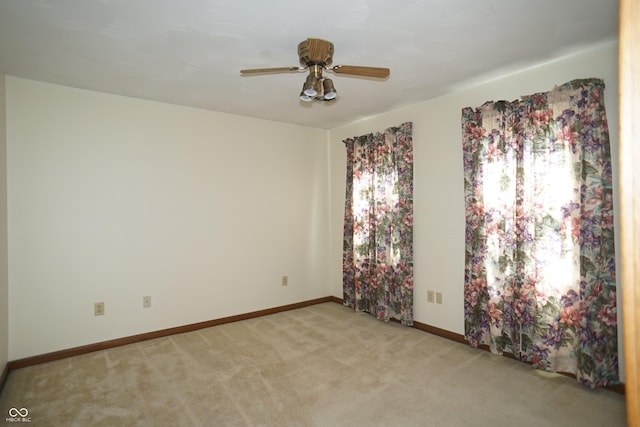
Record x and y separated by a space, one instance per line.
347 213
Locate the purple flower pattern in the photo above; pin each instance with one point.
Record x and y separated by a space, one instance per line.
378 224
539 250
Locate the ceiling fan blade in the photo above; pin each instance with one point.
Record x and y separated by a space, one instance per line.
270 70
356 70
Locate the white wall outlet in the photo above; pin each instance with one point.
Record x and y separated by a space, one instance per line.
430 296
98 309
146 301
285 280
438 297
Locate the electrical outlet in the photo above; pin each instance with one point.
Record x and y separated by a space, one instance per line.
438 297
98 309
146 301
285 280
430 296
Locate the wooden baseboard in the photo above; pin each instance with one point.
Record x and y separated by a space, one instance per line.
620 388
423 327
440 332
57 355
335 299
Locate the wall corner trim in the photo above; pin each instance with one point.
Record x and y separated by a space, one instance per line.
3 377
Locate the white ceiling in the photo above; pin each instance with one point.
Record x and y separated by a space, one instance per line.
189 52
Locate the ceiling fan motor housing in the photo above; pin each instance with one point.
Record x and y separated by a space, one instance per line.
315 52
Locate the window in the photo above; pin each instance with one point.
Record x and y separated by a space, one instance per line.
539 253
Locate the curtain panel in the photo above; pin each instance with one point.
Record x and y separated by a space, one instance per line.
539 252
378 224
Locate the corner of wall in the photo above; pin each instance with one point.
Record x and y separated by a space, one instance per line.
4 286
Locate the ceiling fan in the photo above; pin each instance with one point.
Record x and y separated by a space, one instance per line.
316 56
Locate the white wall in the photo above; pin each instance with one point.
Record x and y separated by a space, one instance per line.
438 174
4 285
112 198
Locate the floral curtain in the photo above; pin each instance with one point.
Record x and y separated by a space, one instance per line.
378 224
539 254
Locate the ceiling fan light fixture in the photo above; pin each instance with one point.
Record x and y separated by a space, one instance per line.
304 97
310 85
329 90
318 87
316 56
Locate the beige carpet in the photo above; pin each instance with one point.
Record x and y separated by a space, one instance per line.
322 365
